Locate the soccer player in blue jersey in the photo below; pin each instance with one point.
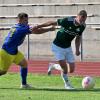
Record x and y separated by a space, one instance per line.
71 27
9 52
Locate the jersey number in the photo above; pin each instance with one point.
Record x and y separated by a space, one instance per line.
12 30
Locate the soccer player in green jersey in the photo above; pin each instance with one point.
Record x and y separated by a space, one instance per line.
71 27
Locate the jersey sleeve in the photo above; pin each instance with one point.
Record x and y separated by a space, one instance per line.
62 22
25 30
29 30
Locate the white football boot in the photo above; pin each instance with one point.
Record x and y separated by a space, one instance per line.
26 86
68 86
50 67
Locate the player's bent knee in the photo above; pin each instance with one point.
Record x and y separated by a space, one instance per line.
23 63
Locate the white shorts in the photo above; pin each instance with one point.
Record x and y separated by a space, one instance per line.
63 53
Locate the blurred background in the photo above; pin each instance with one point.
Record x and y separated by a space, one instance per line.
40 11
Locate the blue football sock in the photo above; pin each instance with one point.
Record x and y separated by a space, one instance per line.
23 73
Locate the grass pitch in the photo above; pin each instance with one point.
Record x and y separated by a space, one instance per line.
45 88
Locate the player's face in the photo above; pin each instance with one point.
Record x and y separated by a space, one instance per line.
81 19
24 20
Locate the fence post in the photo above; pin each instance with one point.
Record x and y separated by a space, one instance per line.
81 49
28 48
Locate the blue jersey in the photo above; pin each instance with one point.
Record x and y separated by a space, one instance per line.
15 38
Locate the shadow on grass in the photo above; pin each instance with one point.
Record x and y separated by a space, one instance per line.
55 89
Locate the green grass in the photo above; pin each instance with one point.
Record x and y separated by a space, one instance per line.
45 88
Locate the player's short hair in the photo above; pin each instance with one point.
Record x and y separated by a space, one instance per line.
22 15
82 13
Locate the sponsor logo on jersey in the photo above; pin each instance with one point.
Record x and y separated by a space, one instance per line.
71 32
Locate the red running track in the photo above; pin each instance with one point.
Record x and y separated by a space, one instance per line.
82 68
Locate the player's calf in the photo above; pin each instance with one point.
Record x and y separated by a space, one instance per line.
71 67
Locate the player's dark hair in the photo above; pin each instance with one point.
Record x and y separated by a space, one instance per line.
22 15
83 13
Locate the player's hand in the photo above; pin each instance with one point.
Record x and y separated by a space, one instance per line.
77 53
34 27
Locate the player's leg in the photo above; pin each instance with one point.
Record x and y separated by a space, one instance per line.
60 55
23 71
57 52
70 60
53 66
5 61
21 61
71 67
64 74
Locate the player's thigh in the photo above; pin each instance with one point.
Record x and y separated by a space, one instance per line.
5 61
20 60
69 55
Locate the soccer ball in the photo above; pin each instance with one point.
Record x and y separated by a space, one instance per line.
88 82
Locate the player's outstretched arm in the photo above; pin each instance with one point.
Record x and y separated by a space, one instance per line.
49 23
43 30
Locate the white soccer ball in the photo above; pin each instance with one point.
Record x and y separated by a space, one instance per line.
88 82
